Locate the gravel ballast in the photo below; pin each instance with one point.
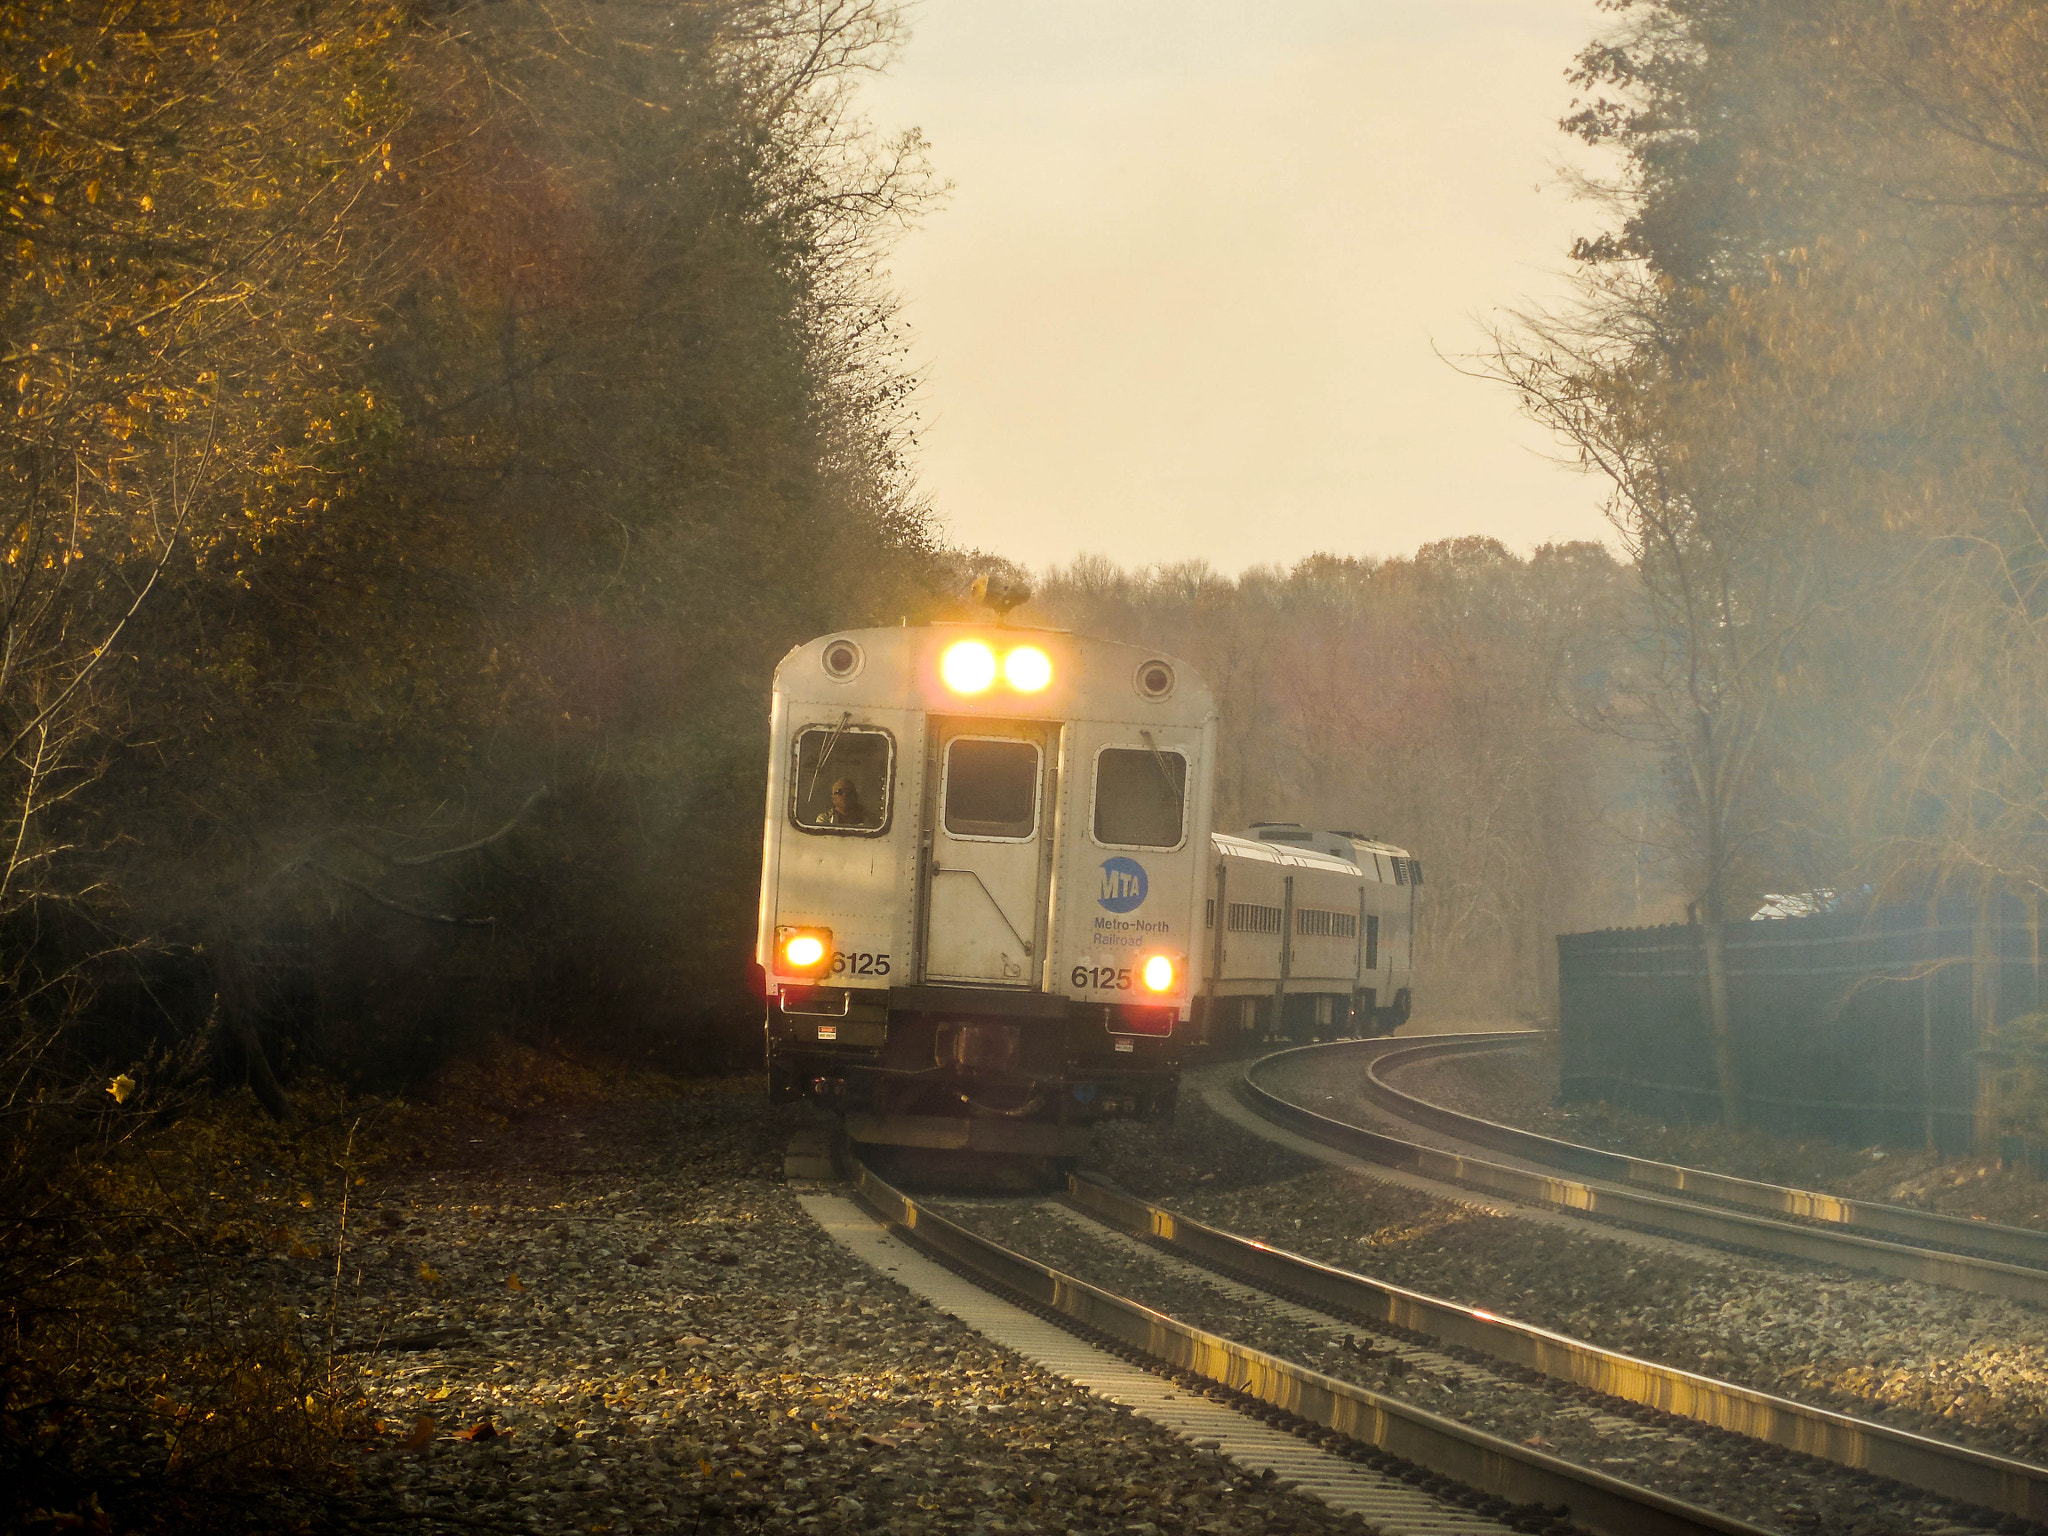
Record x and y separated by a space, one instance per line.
620 1319
1732 1475
1962 1367
617 1317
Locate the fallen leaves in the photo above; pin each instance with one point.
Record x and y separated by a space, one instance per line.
422 1434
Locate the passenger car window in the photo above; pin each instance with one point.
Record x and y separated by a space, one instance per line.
842 779
991 788
1140 797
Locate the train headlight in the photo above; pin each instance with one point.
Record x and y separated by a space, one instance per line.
1027 669
968 667
1159 973
803 951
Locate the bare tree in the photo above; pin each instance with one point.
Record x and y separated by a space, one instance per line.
1722 490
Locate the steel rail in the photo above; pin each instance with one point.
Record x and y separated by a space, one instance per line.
2017 1245
1954 1471
1681 1218
1498 1467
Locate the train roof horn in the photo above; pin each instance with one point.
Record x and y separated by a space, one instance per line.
1002 593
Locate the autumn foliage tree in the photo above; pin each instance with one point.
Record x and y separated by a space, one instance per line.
429 423
1809 359
425 426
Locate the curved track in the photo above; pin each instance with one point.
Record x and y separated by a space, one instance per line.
1464 1466
1689 1203
1986 1482
1518 1487
1487 1480
2017 1245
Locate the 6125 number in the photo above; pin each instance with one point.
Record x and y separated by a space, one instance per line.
1101 978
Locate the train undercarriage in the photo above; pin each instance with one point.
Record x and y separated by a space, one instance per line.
972 1070
963 1069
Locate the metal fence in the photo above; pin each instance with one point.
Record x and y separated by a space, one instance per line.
1861 1027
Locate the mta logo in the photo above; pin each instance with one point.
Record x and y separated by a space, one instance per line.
1123 885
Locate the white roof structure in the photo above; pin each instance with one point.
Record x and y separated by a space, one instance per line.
1281 853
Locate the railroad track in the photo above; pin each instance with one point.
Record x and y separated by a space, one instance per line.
1484 1482
1689 1203
1816 1462
1986 1489
1477 1482
1868 1218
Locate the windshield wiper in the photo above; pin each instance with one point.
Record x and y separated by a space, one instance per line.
826 756
1174 787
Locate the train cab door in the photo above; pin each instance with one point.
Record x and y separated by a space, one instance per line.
987 867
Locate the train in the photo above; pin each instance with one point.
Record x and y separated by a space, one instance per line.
1308 933
994 911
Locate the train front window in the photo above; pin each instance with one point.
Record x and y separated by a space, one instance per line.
991 788
842 779
1140 797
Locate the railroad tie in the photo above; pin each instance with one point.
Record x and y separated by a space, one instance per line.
1344 1486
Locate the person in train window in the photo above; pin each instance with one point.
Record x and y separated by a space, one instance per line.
848 810
856 797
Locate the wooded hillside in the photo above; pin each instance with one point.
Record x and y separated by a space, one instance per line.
429 424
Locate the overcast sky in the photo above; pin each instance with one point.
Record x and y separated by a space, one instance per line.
1188 294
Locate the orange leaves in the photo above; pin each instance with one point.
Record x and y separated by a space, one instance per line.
582 319
231 144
